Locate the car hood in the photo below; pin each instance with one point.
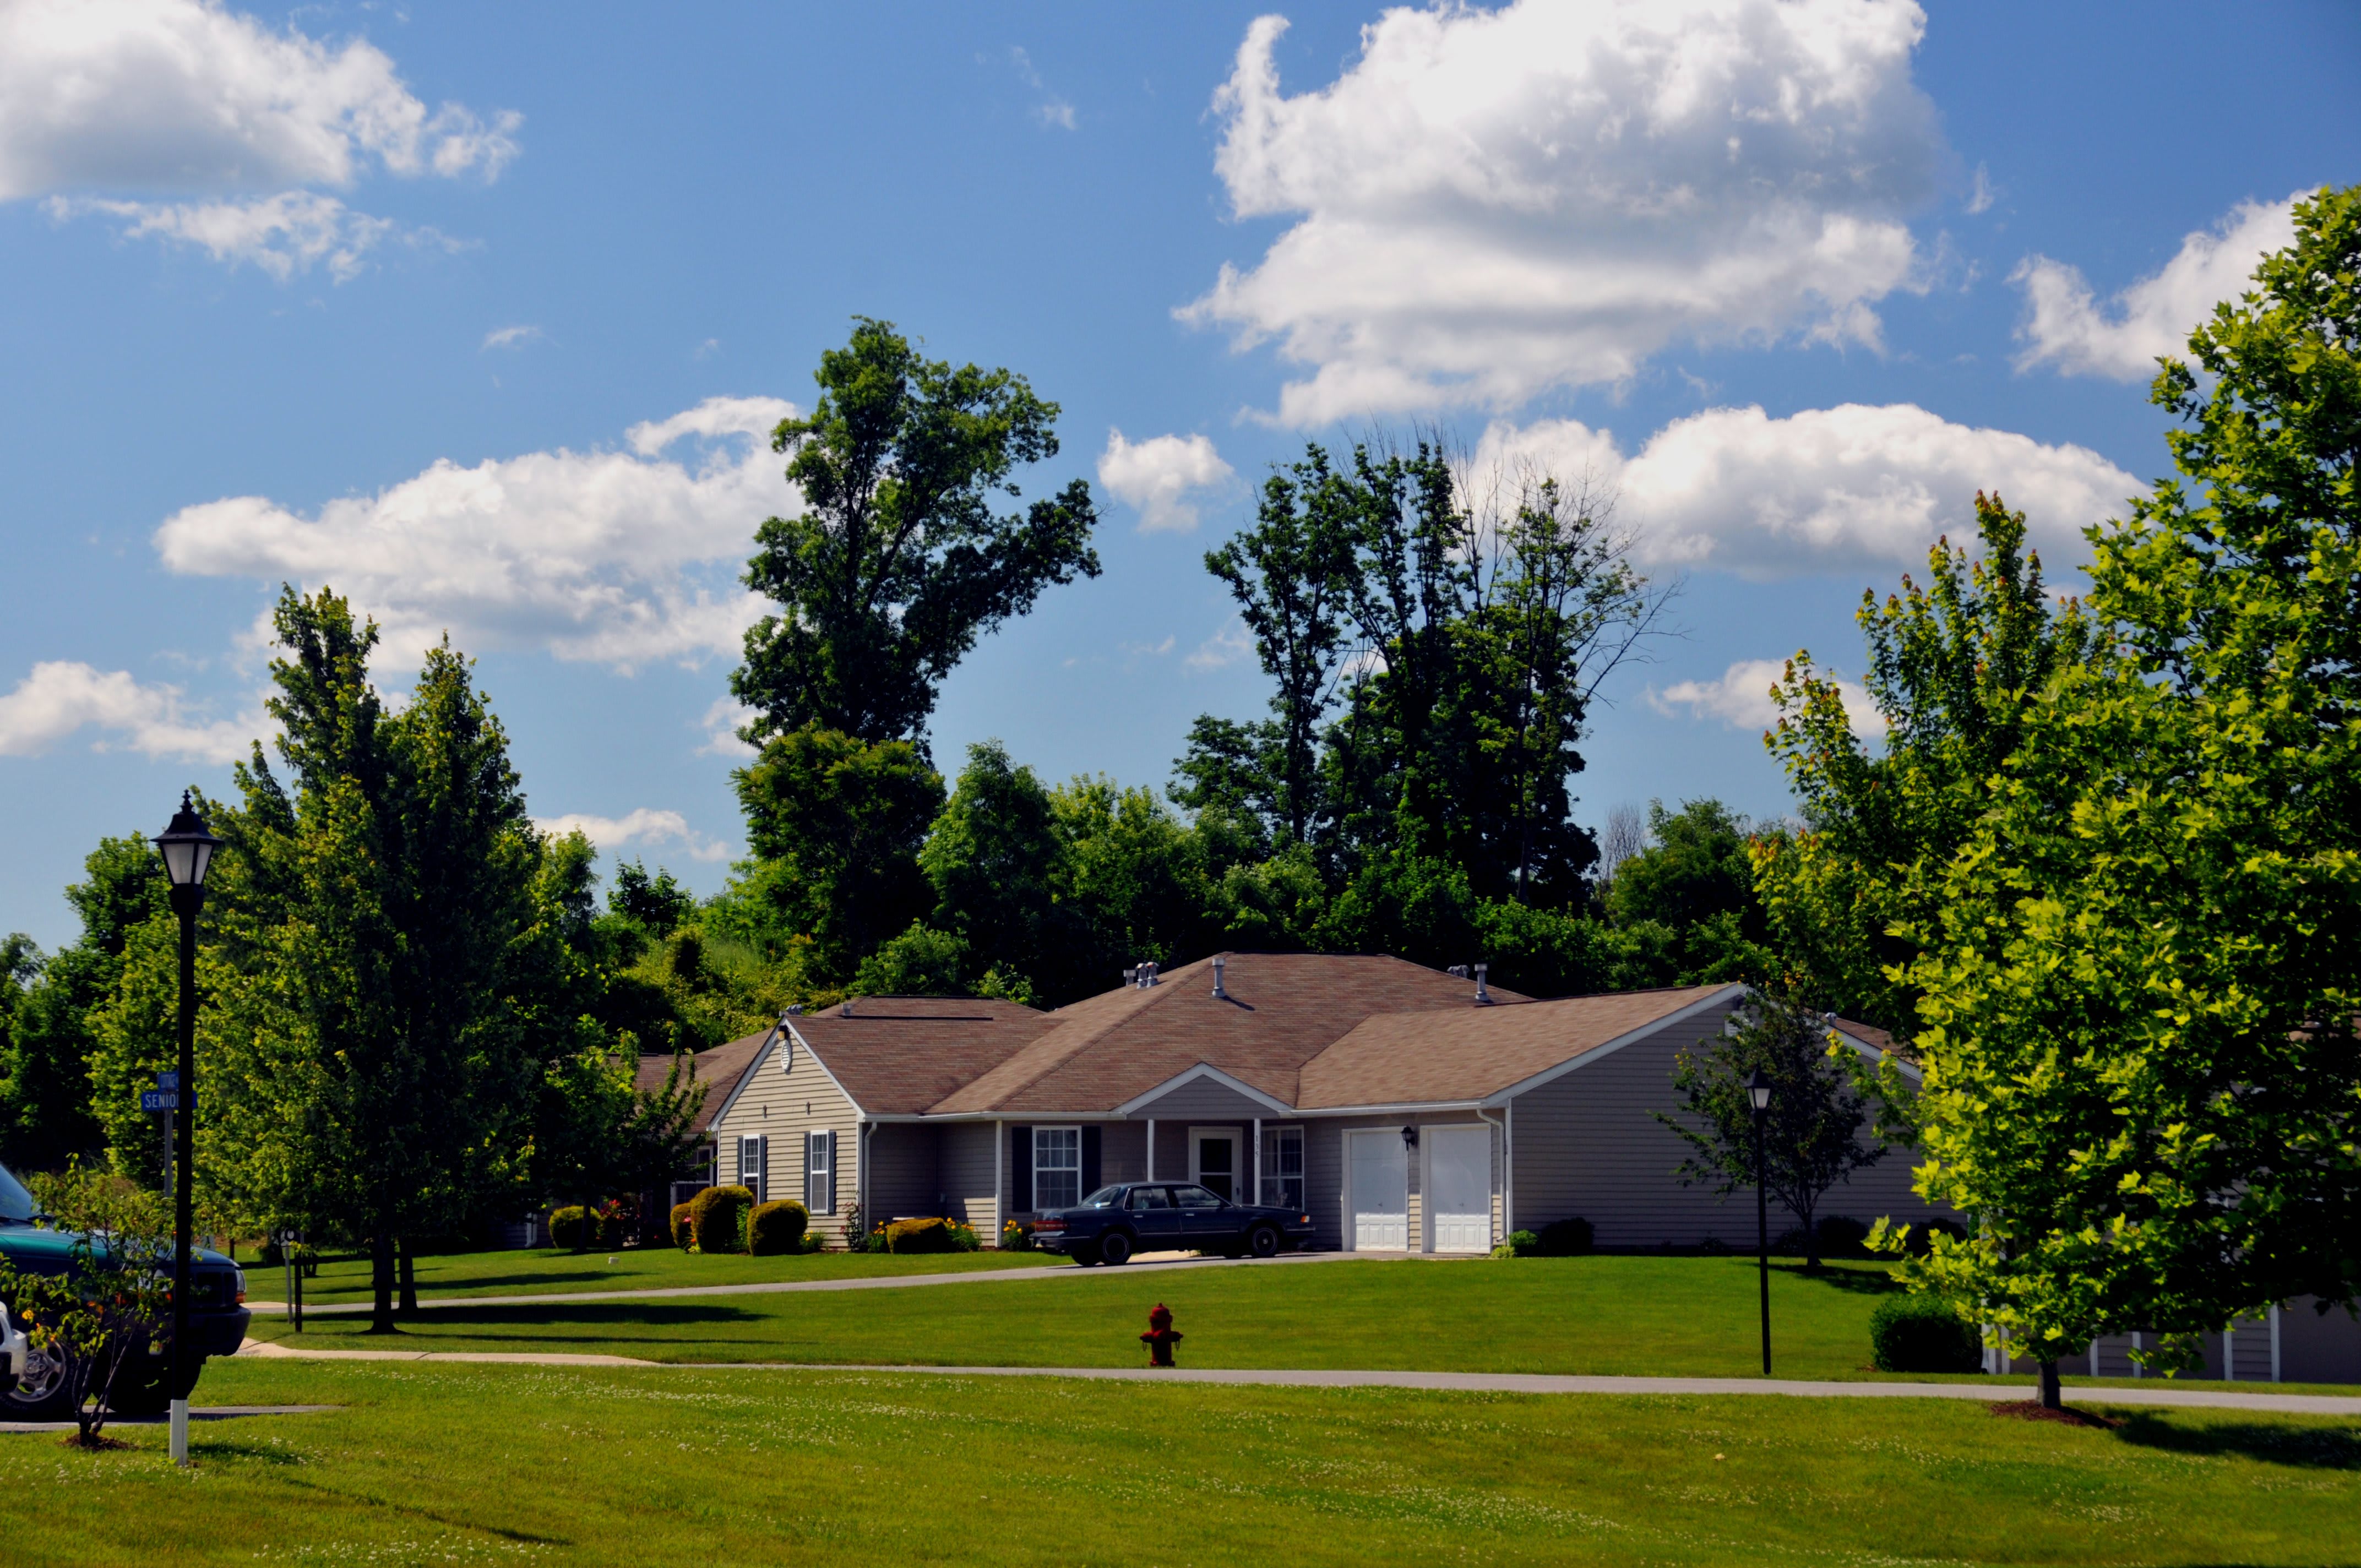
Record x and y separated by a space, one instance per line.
25 1241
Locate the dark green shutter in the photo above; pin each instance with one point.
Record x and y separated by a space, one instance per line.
1020 1170
1089 1161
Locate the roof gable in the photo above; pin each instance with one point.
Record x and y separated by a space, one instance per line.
899 1055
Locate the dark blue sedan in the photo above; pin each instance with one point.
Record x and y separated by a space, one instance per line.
1130 1217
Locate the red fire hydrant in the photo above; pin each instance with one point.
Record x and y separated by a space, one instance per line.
1161 1337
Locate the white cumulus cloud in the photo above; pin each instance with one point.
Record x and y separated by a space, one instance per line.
641 826
2067 327
183 96
1741 698
620 557
1157 476
1849 488
1495 202
62 697
283 235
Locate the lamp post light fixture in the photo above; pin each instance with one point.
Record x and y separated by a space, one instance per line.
188 851
1757 1102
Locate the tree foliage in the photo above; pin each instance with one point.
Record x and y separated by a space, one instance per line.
898 562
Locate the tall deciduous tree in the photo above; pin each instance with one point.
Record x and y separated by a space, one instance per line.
898 562
2139 995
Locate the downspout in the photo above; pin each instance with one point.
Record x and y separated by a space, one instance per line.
1508 1166
860 1178
999 1182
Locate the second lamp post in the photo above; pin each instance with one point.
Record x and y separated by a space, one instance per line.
188 851
1757 1100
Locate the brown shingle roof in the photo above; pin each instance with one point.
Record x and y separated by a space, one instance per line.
717 1068
1398 1057
899 1054
1283 1010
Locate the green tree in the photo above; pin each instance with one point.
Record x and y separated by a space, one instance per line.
1683 908
657 903
2141 1074
47 1114
1812 1132
898 562
1955 669
996 864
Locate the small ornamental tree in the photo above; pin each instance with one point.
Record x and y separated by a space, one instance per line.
1812 1132
108 1312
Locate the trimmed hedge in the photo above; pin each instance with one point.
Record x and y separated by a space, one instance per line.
931 1235
682 1233
1521 1243
1922 1334
573 1227
1842 1235
1564 1238
718 1218
776 1228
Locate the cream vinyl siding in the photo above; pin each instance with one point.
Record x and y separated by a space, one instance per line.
771 1104
904 1174
1587 1145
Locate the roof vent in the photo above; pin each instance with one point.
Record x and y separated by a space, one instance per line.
1218 991
1482 995
1131 976
1458 971
795 1009
847 1007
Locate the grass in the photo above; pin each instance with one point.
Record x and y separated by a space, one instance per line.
444 1464
1605 1315
547 1271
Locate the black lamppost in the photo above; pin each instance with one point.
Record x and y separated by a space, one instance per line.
1757 1100
188 851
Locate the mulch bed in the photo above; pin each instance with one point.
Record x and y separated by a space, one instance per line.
2034 1410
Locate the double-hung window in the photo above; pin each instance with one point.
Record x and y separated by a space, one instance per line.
1057 1168
1282 1167
754 1166
819 1172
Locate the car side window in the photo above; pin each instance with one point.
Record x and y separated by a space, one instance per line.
1151 1197
1196 1198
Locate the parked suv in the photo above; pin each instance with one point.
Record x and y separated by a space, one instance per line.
1116 1221
217 1320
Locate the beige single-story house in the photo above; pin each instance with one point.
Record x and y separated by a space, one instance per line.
1404 1109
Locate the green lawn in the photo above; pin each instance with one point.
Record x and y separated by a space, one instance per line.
1609 1315
444 1464
542 1271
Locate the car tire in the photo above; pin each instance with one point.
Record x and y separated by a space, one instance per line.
1114 1249
1263 1242
41 1394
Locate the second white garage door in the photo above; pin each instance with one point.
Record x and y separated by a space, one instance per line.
1459 1171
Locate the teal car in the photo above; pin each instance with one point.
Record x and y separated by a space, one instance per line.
217 1320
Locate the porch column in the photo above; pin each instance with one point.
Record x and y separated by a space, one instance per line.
1257 1159
1151 1148
999 1179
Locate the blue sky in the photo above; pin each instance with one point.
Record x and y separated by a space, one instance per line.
465 310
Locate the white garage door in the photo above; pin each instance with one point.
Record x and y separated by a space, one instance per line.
1459 1159
1380 1190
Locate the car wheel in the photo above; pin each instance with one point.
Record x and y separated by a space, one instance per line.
41 1394
1263 1242
1114 1247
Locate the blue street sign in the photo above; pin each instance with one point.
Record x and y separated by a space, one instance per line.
160 1100
169 1078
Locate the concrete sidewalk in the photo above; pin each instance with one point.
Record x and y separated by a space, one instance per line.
1148 1263
1443 1382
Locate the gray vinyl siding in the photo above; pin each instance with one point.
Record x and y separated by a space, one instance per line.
784 1107
904 1176
1324 1183
2315 1348
1123 1150
1203 1100
1586 1144
967 1158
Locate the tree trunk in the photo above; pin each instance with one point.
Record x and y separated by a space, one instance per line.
409 1307
381 1281
2051 1398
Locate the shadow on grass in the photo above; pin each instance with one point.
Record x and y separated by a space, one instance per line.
1852 1281
2308 1448
592 1320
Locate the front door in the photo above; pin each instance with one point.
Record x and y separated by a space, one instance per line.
1459 1164
1213 1161
1380 1190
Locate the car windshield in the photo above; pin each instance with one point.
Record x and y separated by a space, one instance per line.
1104 1198
15 1203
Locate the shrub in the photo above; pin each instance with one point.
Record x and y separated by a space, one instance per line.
1015 1237
1521 1243
718 1216
1563 1238
572 1227
1841 1237
683 1231
876 1241
963 1237
777 1227
1922 1334
813 1242
920 1236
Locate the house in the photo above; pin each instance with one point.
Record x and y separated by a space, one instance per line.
717 1073
1404 1109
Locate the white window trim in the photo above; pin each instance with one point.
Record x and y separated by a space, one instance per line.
1274 1173
760 1166
1236 1136
1040 1128
822 1137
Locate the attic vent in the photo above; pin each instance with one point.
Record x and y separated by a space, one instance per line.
1131 976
